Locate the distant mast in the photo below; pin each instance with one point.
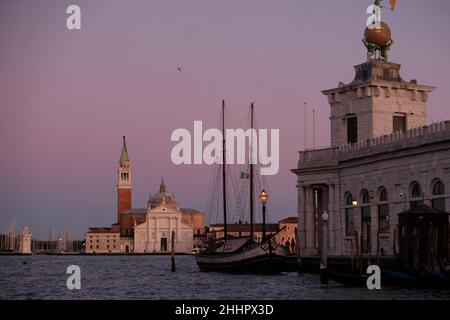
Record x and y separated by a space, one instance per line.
251 171
225 228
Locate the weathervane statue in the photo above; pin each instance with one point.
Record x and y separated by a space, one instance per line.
377 36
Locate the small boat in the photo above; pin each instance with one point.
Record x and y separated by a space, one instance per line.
399 278
433 277
445 270
346 279
423 278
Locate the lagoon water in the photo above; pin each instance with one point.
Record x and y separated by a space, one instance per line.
149 277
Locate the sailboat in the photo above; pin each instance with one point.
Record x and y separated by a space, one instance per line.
242 254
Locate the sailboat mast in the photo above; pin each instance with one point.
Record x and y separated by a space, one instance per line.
251 171
224 185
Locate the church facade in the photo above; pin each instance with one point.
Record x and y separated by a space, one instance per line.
146 230
384 158
163 220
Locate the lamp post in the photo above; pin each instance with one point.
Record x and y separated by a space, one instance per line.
263 197
323 273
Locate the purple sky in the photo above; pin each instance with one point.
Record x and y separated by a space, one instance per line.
67 97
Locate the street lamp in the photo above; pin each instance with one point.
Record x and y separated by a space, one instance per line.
354 203
263 197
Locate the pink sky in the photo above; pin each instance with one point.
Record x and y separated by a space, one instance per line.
67 97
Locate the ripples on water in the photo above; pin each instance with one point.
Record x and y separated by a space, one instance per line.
149 277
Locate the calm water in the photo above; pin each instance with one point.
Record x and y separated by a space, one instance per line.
149 277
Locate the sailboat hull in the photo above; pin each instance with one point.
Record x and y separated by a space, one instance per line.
255 260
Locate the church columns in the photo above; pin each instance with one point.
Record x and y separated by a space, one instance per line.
157 244
147 236
178 230
169 236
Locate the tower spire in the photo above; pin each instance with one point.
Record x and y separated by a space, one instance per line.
124 186
124 154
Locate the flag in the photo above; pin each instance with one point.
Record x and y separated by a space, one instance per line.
392 2
244 175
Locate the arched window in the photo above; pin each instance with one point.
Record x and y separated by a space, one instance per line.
383 212
349 220
366 197
438 200
416 195
365 222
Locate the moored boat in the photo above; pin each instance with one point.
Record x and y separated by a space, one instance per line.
346 279
243 254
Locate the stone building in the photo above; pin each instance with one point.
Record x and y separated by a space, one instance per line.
163 216
104 240
287 235
25 241
384 158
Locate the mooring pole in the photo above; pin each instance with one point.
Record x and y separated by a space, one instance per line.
173 251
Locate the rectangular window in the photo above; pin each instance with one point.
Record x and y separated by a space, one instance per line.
399 123
107 246
90 247
352 130
383 218
97 246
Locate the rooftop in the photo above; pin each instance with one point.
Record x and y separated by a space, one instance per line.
245 227
289 220
102 230
328 157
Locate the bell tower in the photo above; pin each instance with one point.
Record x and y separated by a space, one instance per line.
124 184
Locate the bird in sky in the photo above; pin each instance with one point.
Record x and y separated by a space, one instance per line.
179 69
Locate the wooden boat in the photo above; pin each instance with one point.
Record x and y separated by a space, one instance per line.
399 278
346 279
445 270
244 254
433 277
423 278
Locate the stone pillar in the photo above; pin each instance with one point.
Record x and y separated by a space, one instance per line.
310 229
169 237
332 216
302 218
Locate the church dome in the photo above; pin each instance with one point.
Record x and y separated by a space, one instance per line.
162 197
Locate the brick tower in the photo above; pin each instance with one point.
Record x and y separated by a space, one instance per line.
124 185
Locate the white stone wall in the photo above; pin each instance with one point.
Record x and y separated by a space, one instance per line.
160 223
375 105
395 171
